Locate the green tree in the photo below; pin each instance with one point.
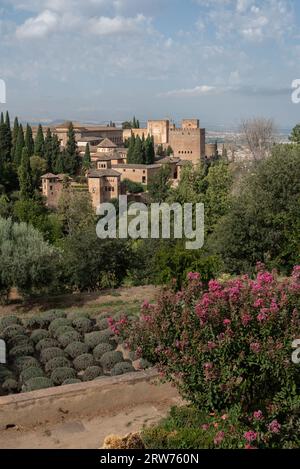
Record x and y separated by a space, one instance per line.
39 142
137 155
14 138
169 151
71 154
149 151
59 166
75 210
25 176
5 140
263 223
87 162
48 151
38 168
295 135
29 142
19 146
56 155
160 185
131 147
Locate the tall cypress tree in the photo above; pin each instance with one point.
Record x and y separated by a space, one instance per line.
149 151
19 145
8 136
137 156
71 154
56 154
5 139
14 138
39 142
131 150
48 150
86 162
2 118
25 176
59 167
29 142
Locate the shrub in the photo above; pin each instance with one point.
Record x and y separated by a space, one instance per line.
62 330
83 361
93 339
109 359
8 321
59 322
75 349
57 362
230 343
102 323
21 350
34 384
144 364
68 337
10 385
38 335
21 363
82 324
46 343
49 353
71 381
101 349
32 372
122 368
59 375
50 316
13 330
5 373
91 373
78 314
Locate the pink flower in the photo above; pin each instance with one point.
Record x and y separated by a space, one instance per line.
250 436
224 417
211 345
205 426
258 415
274 427
219 438
145 304
193 276
259 303
246 318
208 366
262 316
226 322
255 347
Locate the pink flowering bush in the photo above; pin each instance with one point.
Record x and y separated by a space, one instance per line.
228 343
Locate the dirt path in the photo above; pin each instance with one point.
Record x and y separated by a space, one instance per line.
82 434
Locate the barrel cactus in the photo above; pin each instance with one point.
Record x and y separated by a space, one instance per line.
32 372
21 363
91 373
110 359
38 335
82 325
10 385
8 321
5 373
57 362
34 384
50 316
68 337
83 361
13 330
101 349
59 375
21 350
97 337
102 323
71 381
36 322
18 340
75 349
122 368
46 343
49 353
57 323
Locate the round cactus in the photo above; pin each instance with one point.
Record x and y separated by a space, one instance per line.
21 351
91 373
76 348
83 361
49 353
57 362
8 321
82 325
122 368
68 337
101 349
59 375
97 337
62 330
110 359
57 323
5 373
101 323
21 363
32 372
50 316
10 385
13 330
34 384
36 322
18 340
46 343
144 364
38 335
71 381
78 314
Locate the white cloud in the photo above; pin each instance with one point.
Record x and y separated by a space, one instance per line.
104 26
40 26
196 91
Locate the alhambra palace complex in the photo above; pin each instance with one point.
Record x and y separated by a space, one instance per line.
109 157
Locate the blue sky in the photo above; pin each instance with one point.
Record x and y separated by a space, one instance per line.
96 60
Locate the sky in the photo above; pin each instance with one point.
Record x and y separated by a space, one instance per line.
99 60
